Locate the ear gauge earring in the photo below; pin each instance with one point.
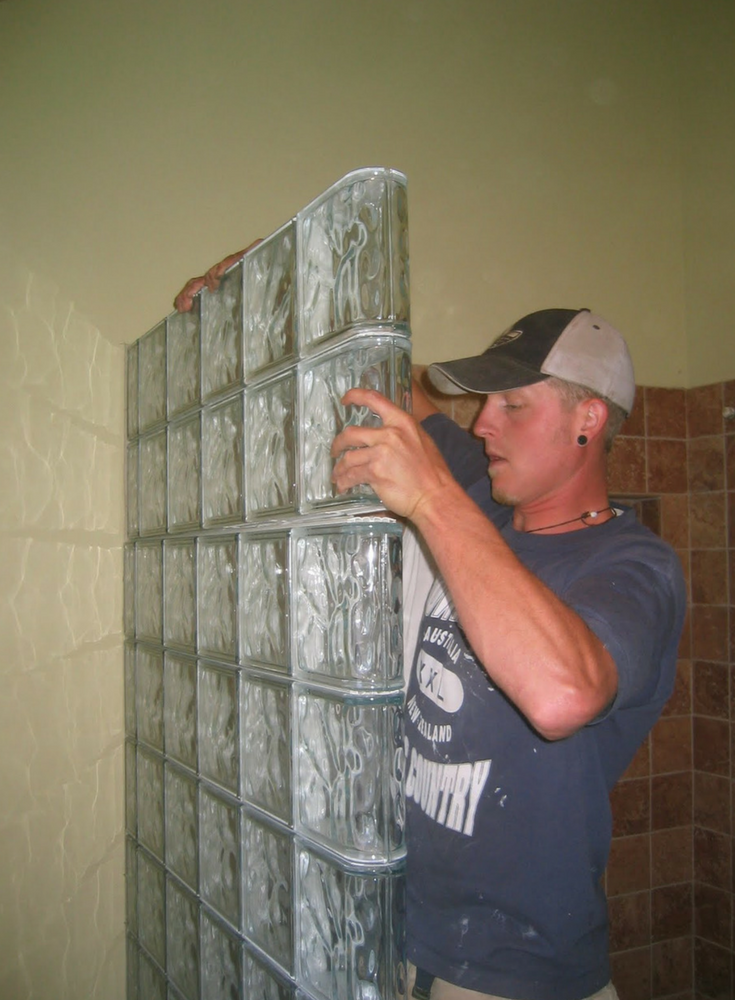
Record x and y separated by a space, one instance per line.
582 440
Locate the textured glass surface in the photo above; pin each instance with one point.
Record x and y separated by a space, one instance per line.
221 314
263 600
184 474
349 932
152 484
131 885
152 377
180 708
217 596
270 446
268 879
264 984
150 801
220 866
179 592
131 792
151 908
347 597
130 713
131 390
182 939
349 771
266 745
222 462
182 351
219 731
149 696
269 294
349 255
151 982
131 487
149 597
129 590
182 826
221 958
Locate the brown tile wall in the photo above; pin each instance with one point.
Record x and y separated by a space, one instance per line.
671 875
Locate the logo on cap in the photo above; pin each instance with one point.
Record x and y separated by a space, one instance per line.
506 338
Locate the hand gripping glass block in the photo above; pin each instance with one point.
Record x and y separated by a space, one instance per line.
268 887
219 730
150 801
152 484
131 790
131 489
221 315
182 939
221 958
263 602
217 596
149 595
220 863
131 886
270 449
353 247
149 696
223 462
152 377
179 594
380 360
263 982
347 601
266 745
151 908
182 825
349 762
349 929
184 474
182 353
131 389
269 292
180 708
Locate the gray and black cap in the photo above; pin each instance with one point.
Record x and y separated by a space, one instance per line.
571 344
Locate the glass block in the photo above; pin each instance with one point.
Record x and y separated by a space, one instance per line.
222 462
375 361
180 708
132 957
269 293
129 690
217 596
347 600
182 352
270 451
131 489
150 801
268 881
131 791
219 730
151 981
352 263
131 389
129 590
179 594
221 315
349 759
184 474
149 696
182 939
264 983
131 886
266 745
151 909
182 826
152 377
264 636
220 866
149 591
152 484
221 958
350 930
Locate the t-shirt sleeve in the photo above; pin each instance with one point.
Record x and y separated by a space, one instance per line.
463 453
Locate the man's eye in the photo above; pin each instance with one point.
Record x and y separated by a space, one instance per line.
512 406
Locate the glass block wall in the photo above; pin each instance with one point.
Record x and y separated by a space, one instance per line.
263 670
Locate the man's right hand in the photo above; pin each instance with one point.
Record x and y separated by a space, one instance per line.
185 299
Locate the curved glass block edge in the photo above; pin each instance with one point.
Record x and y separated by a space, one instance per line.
365 328
396 867
358 174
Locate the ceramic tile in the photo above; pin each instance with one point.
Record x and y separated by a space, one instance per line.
666 413
704 410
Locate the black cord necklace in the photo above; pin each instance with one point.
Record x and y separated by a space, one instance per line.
588 514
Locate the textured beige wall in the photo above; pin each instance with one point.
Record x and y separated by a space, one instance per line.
61 840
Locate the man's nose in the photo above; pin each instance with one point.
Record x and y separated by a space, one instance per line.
487 422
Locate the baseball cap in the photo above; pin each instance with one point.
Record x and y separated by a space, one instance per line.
571 344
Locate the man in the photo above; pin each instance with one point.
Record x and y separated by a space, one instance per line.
546 652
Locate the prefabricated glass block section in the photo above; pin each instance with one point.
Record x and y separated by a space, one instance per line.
347 601
184 474
180 708
183 360
152 484
182 939
182 825
220 860
266 745
263 982
221 330
149 695
268 854
219 728
349 768
131 489
217 596
129 590
149 591
376 361
131 886
131 389
150 801
152 377
349 929
263 601
151 981
222 462
269 293
131 790
179 593
353 256
130 706
151 908
270 446
221 959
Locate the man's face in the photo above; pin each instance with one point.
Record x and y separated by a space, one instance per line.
530 441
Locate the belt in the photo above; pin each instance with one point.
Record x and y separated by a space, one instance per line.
422 986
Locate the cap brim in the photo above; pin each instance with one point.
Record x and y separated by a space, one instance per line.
481 374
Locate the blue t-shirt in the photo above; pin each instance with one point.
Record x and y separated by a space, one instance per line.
509 833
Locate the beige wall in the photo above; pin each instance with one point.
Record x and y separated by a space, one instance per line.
576 152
